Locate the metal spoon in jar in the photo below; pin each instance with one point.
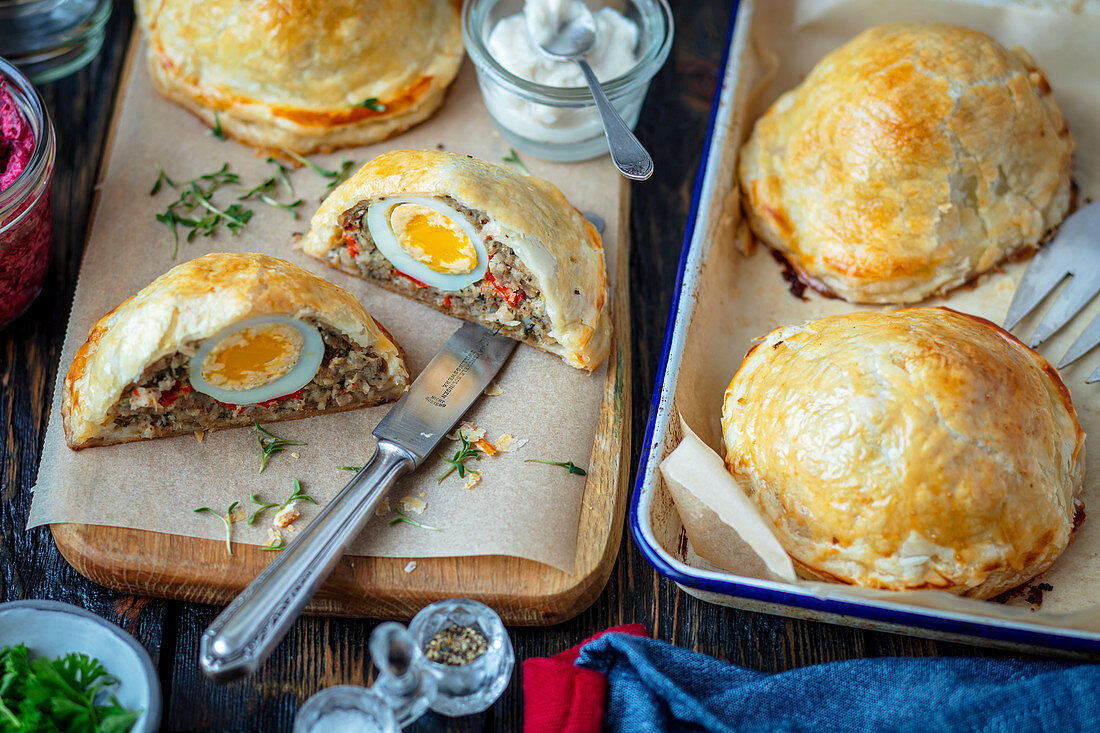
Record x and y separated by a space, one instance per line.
572 40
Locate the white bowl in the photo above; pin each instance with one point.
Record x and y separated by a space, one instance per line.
53 629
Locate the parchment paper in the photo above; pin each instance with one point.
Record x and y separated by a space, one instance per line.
744 297
519 509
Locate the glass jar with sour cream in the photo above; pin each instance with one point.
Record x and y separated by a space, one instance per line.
26 172
561 122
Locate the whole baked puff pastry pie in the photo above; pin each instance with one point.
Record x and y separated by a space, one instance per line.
915 449
223 341
910 160
306 75
475 240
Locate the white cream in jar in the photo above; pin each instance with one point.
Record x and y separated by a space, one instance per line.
513 42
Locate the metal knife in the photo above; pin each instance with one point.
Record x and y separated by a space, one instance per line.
249 629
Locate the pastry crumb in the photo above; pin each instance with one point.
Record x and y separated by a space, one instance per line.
199 435
473 480
494 390
422 494
383 508
411 566
237 515
286 515
413 504
295 455
486 447
468 430
274 537
509 443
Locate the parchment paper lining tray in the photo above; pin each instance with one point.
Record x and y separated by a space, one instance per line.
726 299
152 486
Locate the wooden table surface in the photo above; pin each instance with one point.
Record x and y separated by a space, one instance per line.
320 652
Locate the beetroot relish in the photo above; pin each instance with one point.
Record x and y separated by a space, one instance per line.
26 215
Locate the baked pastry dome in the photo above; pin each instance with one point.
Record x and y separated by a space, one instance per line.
223 341
915 449
307 76
910 160
475 240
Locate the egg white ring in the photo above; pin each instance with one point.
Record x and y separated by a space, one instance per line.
309 361
378 223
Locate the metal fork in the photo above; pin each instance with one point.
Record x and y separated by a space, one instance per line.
1074 253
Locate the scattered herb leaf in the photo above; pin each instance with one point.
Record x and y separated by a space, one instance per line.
298 494
357 469
196 198
273 548
371 103
564 464
335 177
59 694
227 520
264 506
402 517
218 132
265 191
458 461
162 177
513 158
271 444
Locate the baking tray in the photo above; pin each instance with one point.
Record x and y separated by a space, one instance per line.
654 521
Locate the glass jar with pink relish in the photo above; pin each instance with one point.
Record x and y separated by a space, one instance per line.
26 171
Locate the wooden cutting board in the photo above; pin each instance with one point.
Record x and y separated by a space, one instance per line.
523 591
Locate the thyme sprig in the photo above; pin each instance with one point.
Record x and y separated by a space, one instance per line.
371 103
357 469
513 158
465 452
404 518
569 465
336 177
227 519
271 445
265 192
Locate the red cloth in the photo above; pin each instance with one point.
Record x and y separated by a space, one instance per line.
561 698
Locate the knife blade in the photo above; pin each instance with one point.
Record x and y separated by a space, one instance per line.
249 629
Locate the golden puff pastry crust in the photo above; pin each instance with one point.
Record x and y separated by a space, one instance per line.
910 160
915 449
194 301
543 253
298 74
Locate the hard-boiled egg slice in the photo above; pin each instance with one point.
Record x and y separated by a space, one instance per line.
428 240
257 360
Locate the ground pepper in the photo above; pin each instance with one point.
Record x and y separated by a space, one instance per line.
456 645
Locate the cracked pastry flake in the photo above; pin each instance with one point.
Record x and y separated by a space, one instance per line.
413 504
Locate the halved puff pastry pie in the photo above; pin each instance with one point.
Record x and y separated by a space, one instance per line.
475 240
222 341
910 160
906 450
307 76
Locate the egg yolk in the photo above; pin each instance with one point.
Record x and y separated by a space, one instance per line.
432 239
253 356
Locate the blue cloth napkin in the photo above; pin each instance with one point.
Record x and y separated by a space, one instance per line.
654 686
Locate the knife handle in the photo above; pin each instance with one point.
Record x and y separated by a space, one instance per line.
246 632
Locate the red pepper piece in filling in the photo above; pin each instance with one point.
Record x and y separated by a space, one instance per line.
513 298
446 301
418 283
173 394
275 400
350 241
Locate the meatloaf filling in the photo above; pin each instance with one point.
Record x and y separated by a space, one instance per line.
508 297
161 401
